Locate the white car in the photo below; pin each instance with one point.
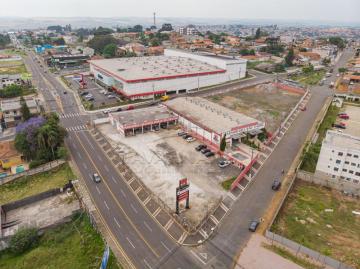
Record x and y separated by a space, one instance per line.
190 139
224 163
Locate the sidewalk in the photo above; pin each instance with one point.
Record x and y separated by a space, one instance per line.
254 256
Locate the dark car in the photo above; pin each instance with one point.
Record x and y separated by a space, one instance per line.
276 185
253 225
200 147
205 150
181 133
186 136
340 126
64 92
96 178
119 109
84 93
90 99
209 154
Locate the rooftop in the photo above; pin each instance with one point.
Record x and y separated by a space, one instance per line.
353 123
143 116
342 140
210 115
136 69
14 104
7 150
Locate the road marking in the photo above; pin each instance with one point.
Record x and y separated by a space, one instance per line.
85 166
147 226
157 211
147 264
106 205
106 168
162 243
100 159
116 200
193 253
133 208
117 223
127 238
79 155
123 193
113 179
97 188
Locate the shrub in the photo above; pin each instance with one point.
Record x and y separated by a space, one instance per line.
23 240
36 163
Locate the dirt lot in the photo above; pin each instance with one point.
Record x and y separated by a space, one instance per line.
161 158
263 102
322 219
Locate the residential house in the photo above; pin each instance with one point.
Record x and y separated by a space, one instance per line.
9 156
6 80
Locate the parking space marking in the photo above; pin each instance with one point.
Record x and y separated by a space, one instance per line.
97 188
106 168
133 208
106 205
127 238
147 226
113 179
117 223
162 243
85 166
147 264
123 193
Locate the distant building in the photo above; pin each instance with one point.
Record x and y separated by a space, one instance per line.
67 60
7 80
11 110
188 30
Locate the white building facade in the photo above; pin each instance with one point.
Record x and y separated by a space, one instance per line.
339 158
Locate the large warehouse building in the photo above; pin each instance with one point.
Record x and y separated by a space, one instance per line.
210 122
175 72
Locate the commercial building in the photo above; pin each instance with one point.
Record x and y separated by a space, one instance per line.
7 80
210 122
67 60
175 72
143 120
11 110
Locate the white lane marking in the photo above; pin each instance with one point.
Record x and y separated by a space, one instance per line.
193 253
106 168
85 166
87 139
99 157
79 155
117 223
147 264
133 208
162 243
123 193
97 188
127 238
147 226
106 205
113 179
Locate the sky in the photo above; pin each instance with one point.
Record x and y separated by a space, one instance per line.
314 10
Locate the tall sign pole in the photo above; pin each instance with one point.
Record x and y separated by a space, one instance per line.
182 193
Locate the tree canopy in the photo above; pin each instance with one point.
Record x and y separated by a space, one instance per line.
110 50
289 58
337 41
103 31
4 41
99 42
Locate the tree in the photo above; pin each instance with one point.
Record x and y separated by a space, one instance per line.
289 58
245 52
137 28
109 50
24 109
326 61
337 41
98 43
308 69
342 70
22 240
103 31
258 33
154 42
4 41
11 91
223 143
62 153
279 68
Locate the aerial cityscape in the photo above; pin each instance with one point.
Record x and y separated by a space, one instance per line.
180 135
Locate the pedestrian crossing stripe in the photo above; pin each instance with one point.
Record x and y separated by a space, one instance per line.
76 128
69 115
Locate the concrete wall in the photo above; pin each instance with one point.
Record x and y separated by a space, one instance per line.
322 179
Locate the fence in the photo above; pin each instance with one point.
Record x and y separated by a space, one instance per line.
40 169
306 251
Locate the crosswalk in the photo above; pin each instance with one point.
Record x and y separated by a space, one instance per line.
69 115
76 128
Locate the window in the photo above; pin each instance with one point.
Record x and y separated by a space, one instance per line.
356 156
356 181
346 162
333 176
342 177
332 151
344 170
336 169
351 171
353 164
349 155
357 174
340 154
338 161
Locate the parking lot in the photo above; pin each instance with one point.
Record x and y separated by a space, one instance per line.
93 93
161 158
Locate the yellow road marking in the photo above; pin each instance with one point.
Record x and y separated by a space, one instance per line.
116 201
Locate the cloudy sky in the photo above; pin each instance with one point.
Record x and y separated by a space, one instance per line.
326 10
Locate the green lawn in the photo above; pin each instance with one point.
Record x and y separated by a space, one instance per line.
226 184
253 64
303 219
311 156
310 79
11 70
27 186
74 245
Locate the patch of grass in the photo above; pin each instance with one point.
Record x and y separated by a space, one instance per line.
11 70
31 185
303 219
74 245
310 157
253 64
13 52
289 256
226 184
312 78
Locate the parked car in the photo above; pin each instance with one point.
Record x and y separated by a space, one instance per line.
91 99
118 109
344 116
190 139
130 107
186 136
276 185
106 111
200 147
337 125
209 154
64 92
181 133
84 93
111 96
253 225
96 178
205 150
224 163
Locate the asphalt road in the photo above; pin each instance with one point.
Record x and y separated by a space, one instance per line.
142 239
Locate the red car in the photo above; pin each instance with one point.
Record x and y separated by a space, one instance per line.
303 108
130 107
344 116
